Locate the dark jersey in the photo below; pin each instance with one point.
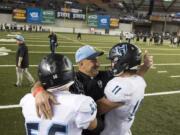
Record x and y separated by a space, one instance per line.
22 51
53 38
93 87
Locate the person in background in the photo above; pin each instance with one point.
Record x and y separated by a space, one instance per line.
178 41
22 62
162 39
1 27
121 37
79 36
175 41
145 38
25 27
53 41
150 39
72 115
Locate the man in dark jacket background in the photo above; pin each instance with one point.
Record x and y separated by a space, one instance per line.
53 41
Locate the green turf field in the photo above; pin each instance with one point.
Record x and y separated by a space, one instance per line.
158 115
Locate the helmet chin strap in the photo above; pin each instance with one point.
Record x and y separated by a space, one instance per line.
135 68
61 88
119 70
116 75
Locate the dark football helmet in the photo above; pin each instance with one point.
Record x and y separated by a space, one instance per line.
55 70
124 56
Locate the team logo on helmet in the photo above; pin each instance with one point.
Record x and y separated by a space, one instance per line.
119 50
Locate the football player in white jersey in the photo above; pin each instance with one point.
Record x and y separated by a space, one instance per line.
126 88
74 113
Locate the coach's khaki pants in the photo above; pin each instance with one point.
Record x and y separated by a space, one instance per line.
20 72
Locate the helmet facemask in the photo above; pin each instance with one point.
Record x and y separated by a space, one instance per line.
118 66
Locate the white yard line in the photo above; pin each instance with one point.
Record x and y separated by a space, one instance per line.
103 65
75 41
3 66
60 46
162 93
167 64
146 95
45 52
164 54
167 49
96 47
175 76
9 106
162 71
77 46
15 65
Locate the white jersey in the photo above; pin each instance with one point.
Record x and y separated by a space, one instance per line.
130 91
74 113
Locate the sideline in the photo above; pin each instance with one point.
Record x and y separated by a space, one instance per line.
104 65
45 52
146 95
91 43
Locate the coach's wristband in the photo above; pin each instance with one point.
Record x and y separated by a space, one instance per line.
38 90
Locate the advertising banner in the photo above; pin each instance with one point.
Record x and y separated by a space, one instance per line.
71 10
177 14
48 16
103 21
160 18
19 15
157 18
34 15
74 10
64 15
78 16
176 19
92 20
114 22
75 16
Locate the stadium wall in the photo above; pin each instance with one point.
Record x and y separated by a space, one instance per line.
172 27
126 27
69 26
6 18
158 27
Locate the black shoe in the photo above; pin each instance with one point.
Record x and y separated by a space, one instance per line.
31 84
16 85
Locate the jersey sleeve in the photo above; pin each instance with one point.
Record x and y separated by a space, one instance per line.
86 113
28 106
118 92
25 99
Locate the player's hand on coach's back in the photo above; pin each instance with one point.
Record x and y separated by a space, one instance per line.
43 101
